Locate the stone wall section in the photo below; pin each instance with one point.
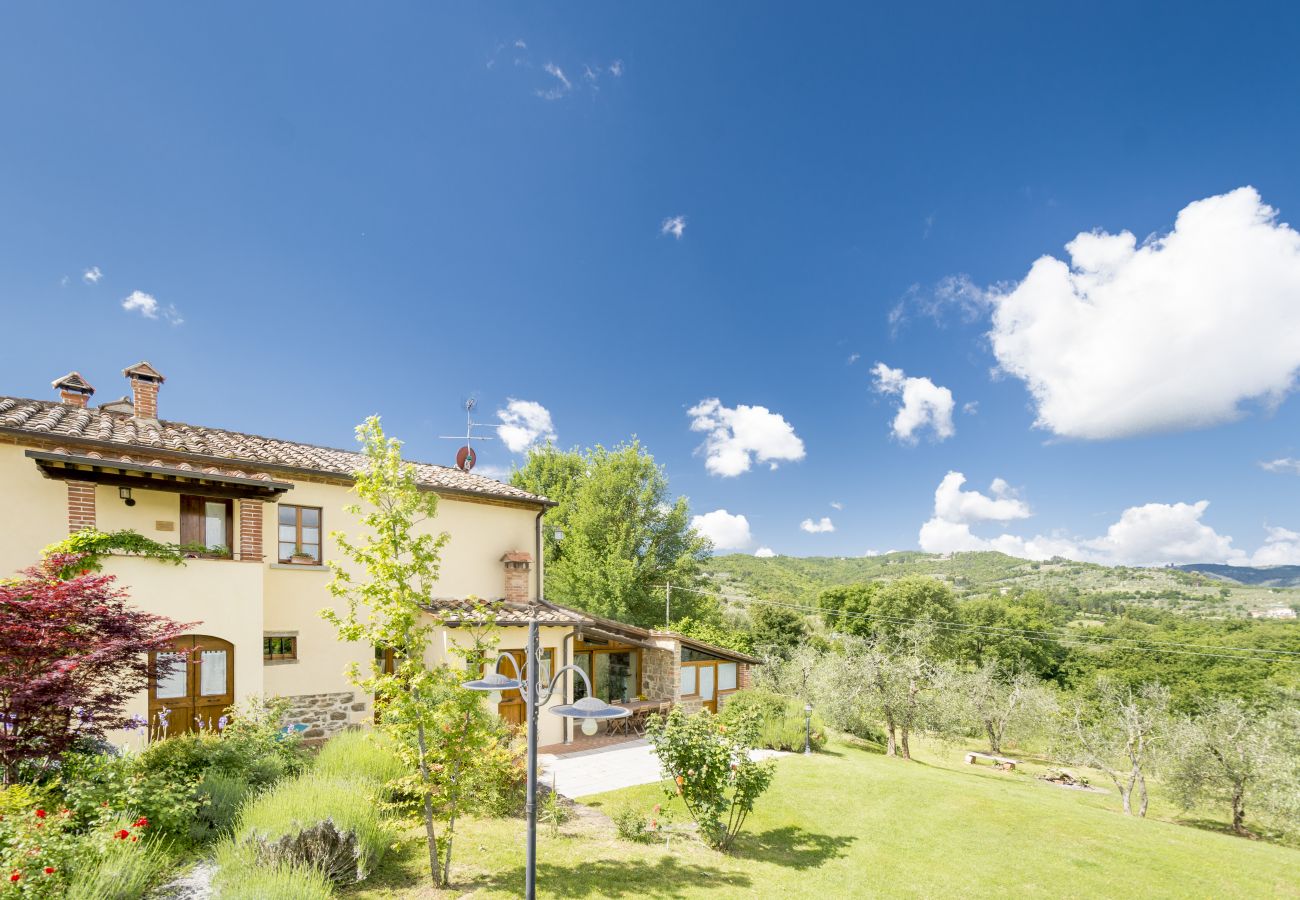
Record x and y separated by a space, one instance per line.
659 678
325 715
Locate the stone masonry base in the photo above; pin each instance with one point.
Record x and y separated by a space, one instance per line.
325 715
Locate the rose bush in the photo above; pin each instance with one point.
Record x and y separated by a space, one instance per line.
708 765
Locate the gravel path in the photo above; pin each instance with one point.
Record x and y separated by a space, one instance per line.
196 884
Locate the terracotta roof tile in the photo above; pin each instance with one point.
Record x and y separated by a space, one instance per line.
47 419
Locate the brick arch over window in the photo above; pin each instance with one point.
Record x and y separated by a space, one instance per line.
192 682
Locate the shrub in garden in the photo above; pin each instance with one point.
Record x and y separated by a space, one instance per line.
781 719
240 876
360 754
74 651
43 851
328 822
708 765
125 871
220 797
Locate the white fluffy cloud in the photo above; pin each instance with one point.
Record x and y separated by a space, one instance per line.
765 553
922 404
727 532
1175 333
1151 534
525 423
149 307
955 505
1281 548
736 437
674 225
92 275
822 526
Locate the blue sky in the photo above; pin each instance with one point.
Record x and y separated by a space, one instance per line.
330 210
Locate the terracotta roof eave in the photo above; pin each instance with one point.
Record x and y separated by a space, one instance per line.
259 465
132 466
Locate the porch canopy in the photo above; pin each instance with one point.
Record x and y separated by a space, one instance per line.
156 475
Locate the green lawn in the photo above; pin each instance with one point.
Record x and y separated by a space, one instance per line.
853 823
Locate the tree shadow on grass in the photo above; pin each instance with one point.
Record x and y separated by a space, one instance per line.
792 846
665 877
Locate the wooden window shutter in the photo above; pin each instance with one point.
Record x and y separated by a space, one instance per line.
192 531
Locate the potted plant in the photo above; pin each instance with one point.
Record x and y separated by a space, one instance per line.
301 558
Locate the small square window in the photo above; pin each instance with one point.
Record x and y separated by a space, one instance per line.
280 647
299 535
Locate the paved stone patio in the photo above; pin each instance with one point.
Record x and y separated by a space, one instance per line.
627 764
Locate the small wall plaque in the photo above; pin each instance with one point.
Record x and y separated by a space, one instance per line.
160 525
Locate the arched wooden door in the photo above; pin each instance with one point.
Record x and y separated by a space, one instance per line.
512 707
196 688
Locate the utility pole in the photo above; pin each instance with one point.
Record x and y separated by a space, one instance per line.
668 604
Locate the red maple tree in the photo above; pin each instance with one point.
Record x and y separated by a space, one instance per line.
72 652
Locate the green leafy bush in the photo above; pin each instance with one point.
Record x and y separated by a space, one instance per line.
284 825
709 767
631 824
240 876
781 723
93 784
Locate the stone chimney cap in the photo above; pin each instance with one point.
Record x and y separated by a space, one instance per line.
73 382
517 556
144 371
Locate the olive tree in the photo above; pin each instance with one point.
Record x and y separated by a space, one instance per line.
1118 733
1231 755
1000 704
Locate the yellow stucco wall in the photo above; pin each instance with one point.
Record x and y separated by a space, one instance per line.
240 601
33 511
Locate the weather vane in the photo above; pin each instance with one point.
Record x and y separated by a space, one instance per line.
465 456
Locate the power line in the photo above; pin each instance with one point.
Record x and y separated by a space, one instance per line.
1028 634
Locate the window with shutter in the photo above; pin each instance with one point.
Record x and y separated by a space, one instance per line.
208 523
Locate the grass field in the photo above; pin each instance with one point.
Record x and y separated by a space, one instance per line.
853 823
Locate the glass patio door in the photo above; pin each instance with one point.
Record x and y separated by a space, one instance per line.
708 697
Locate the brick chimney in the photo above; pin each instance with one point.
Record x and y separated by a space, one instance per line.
73 389
145 380
518 563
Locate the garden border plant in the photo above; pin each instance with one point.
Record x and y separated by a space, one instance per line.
708 765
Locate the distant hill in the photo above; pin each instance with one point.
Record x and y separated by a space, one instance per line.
1198 590
1264 576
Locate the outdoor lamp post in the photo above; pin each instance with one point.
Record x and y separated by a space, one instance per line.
807 729
590 710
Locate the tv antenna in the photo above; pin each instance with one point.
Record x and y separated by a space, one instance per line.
465 456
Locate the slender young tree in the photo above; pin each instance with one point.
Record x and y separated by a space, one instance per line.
442 728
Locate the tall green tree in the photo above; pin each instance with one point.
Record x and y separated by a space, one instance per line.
617 537
892 610
1015 633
